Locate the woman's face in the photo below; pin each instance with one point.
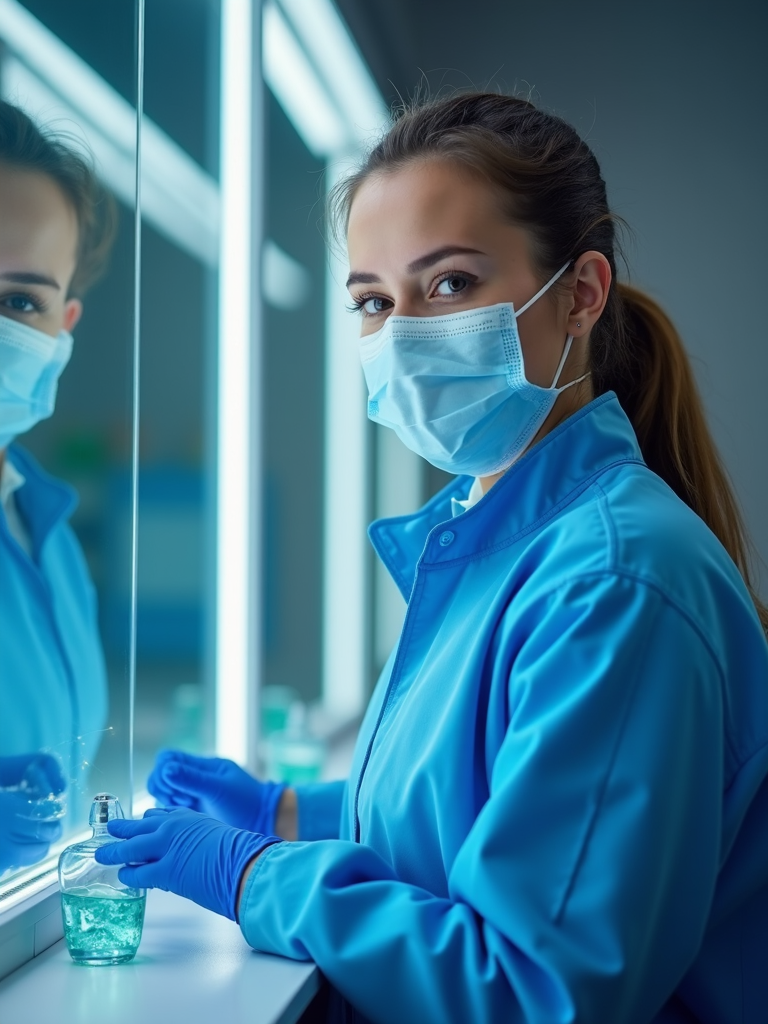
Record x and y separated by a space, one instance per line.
431 238
38 251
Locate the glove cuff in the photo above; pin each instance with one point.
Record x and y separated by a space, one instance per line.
267 814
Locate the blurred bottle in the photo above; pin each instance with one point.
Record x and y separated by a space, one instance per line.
276 702
186 729
295 755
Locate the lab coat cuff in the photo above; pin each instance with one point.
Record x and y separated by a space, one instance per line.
251 887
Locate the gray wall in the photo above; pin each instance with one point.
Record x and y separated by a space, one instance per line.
673 97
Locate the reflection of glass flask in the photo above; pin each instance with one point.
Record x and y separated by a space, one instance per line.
102 917
43 803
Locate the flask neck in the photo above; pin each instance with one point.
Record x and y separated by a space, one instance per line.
104 808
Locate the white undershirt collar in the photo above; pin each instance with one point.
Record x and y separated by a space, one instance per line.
475 494
10 482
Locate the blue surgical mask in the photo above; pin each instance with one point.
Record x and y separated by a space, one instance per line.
453 388
30 365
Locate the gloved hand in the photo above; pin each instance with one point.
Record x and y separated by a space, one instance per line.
184 852
29 821
217 787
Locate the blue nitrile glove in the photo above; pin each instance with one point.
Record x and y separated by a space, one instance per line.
217 787
184 852
28 782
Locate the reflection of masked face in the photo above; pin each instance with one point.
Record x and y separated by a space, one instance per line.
30 365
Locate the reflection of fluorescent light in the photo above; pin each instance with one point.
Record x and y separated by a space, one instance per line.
285 282
326 39
27 90
51 82
75 81
237 614
300 92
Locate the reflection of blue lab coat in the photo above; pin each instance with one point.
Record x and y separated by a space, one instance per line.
558 807
53 693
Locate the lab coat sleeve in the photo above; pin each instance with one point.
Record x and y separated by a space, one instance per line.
319 805
582 890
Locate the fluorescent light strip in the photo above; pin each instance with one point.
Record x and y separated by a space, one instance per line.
297 88
234 527
51 82
325 37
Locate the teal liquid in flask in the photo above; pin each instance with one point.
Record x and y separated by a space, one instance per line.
103 918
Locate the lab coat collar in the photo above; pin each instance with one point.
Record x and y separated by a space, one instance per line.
553 473
43 501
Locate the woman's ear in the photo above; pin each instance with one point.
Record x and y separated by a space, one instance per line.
73 310
590 292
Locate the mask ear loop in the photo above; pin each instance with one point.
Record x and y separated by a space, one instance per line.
559 370
569 339
540 292
561 364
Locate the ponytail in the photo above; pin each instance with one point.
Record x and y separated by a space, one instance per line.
657 390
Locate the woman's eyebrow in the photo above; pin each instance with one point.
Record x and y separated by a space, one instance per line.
362 278
422 263
29 277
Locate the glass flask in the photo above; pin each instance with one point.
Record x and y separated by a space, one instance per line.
103 917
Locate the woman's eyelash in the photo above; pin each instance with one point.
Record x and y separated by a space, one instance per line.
39 305
356 305
446 275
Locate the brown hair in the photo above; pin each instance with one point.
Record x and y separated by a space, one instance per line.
23 144
552 185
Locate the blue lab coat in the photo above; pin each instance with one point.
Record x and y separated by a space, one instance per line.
558 808
53 690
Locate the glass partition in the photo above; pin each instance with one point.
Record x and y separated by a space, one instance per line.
183 526
176 580
68 82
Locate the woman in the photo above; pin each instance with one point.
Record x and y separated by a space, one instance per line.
56 226
558 807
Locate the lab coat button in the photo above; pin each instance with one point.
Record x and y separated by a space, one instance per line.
446 537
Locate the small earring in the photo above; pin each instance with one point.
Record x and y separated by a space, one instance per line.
578 324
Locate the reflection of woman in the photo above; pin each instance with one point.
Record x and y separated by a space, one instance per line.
558 807
55 226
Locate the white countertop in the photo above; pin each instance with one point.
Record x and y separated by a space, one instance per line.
193 967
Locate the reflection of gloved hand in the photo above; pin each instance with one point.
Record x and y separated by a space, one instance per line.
184 852
26 827
217 787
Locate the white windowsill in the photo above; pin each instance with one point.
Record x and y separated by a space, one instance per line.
192 966
30 910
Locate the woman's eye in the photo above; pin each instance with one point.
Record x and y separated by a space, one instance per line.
375 305
19 303
451 285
